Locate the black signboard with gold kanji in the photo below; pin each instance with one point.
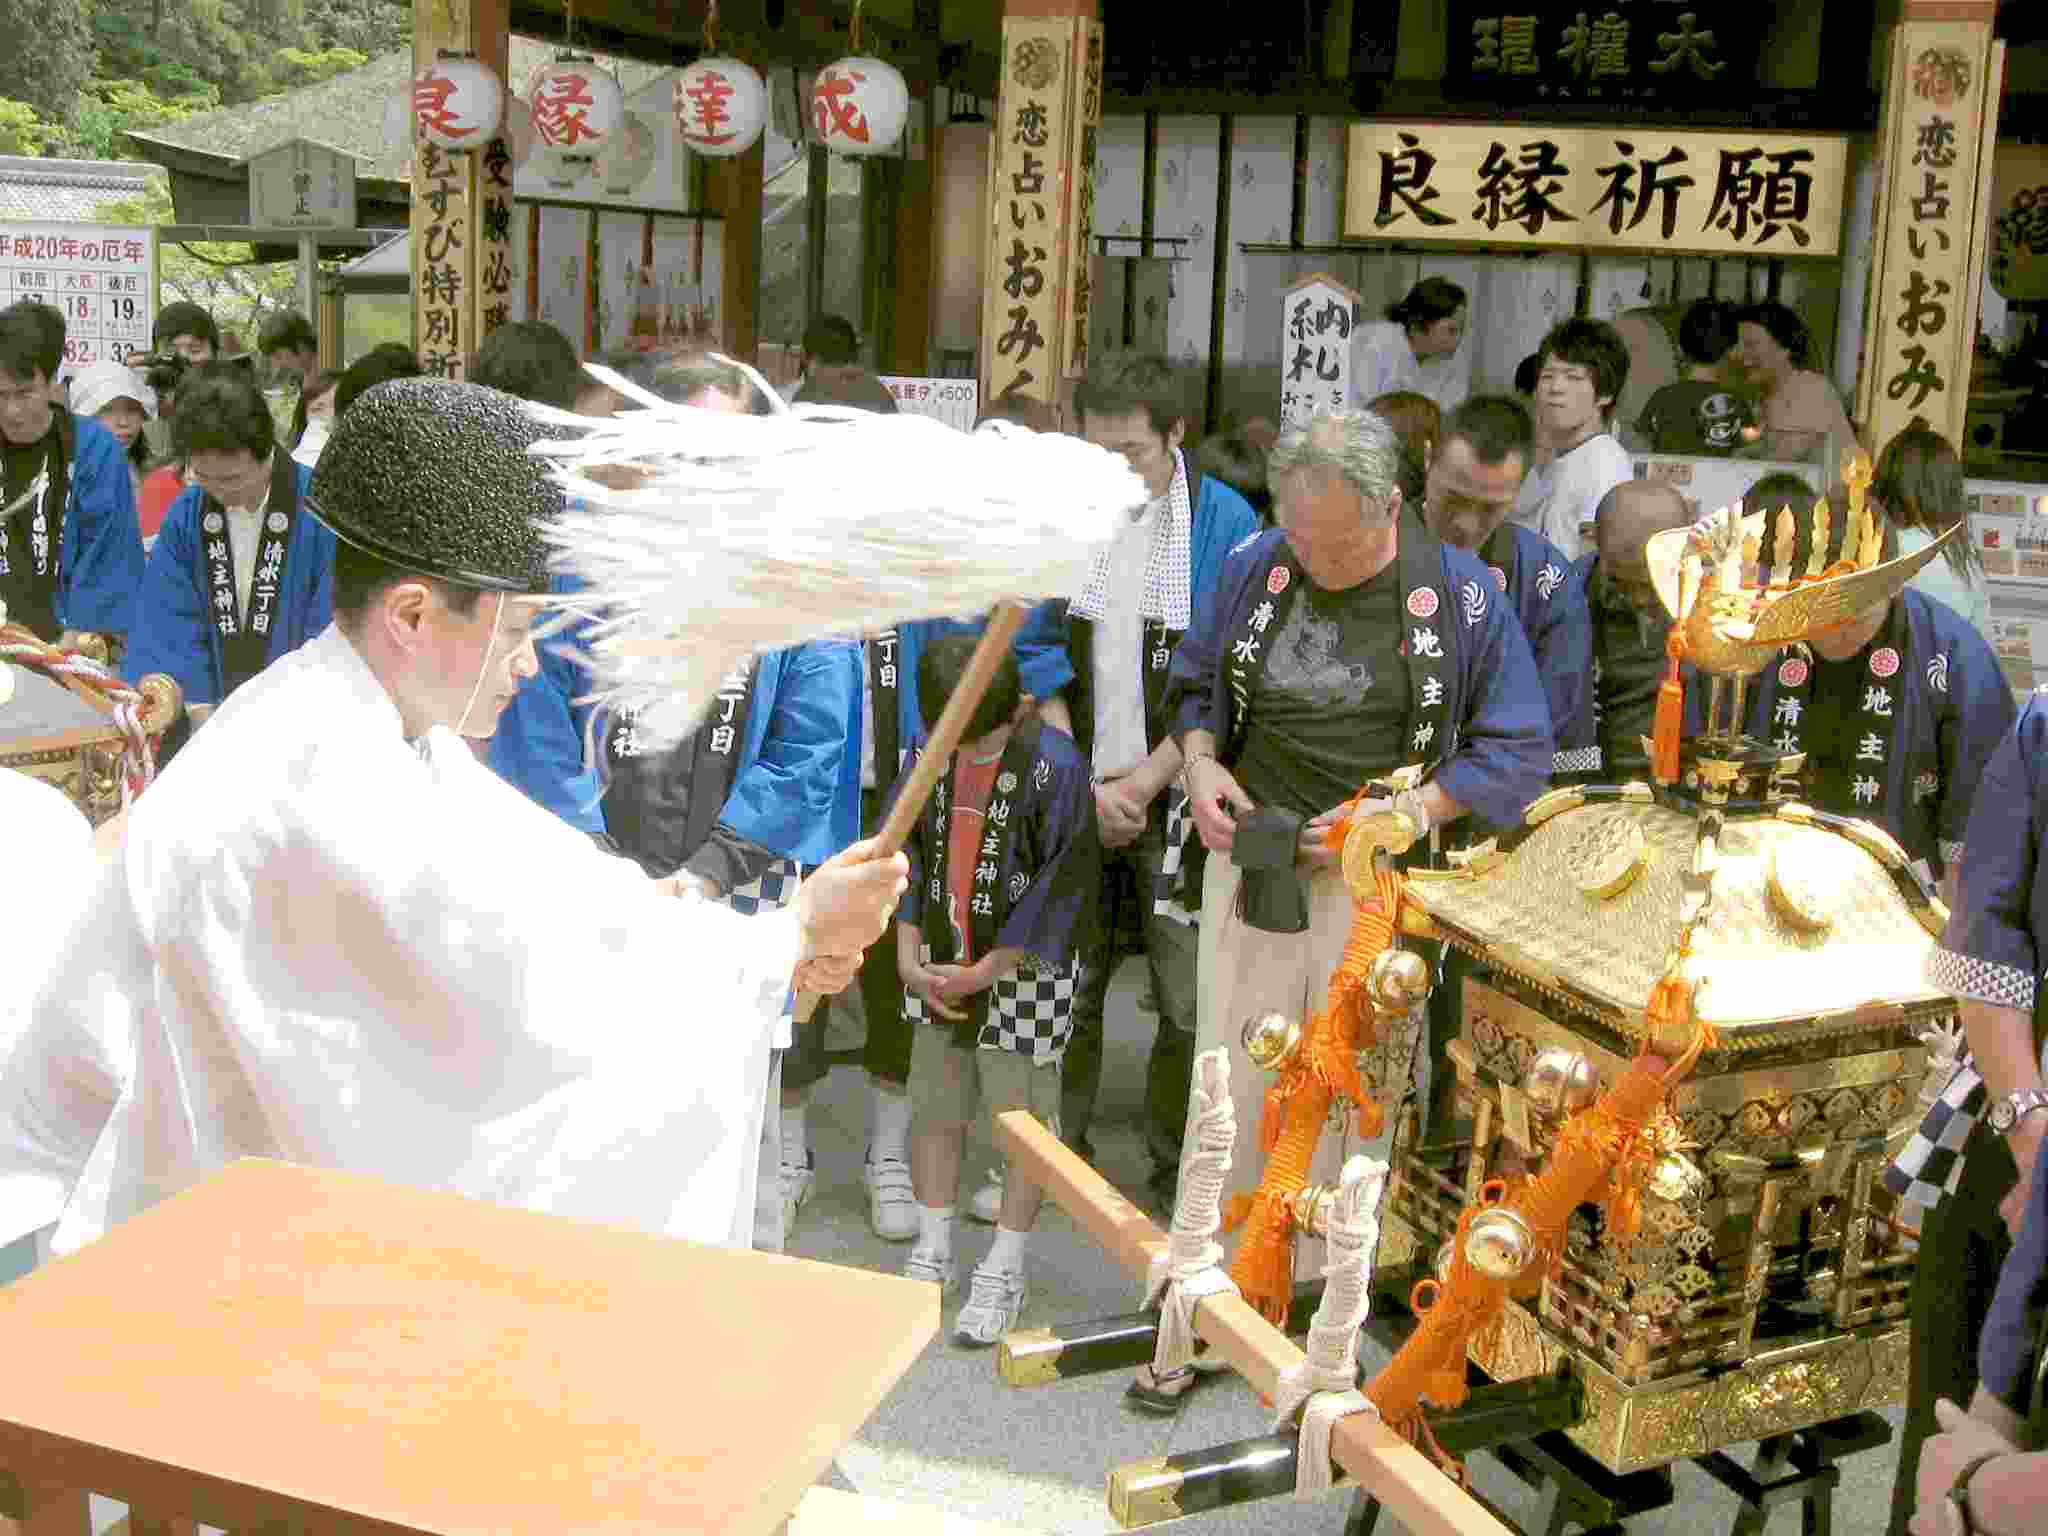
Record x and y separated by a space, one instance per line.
1641 51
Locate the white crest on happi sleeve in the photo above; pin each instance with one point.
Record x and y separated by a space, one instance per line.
1937 673
1041 773
1472 597
1018 885
1547 581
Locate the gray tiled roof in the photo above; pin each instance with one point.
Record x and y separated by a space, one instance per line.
33 188
348 112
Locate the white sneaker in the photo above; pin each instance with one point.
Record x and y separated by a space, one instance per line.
988 1200
993 1303
892 1207
797 1179
934 1268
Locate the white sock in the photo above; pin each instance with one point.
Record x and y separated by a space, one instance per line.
796 1142
1006 1253
935 1228
888 1123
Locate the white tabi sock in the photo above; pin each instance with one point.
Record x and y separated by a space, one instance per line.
888 1124
1006 1253
796 1142
935 1228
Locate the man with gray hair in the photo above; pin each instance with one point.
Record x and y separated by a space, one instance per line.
1343 645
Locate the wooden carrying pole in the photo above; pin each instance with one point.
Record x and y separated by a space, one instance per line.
1380 1461
1003 625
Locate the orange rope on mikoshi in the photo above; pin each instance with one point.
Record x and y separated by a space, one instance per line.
1604 1140
1298 1104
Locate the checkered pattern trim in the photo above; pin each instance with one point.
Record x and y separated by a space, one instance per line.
1168 593
1578 760
1031 1010
1981 981
1951 853
1931 1162
1169 886
775 888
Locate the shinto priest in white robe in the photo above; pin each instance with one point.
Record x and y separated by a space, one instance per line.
326 944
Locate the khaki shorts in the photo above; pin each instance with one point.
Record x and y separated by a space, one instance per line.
946 1080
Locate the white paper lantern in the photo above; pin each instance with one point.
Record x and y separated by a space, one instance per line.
859 106
457 103
629 156
577 107
721 107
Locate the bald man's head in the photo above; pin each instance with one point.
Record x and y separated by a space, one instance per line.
1627 518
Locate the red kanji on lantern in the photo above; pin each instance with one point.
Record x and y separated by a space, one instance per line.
431 93
561 109
833 107
709 93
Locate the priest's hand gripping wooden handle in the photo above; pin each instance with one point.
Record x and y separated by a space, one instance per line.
1003 623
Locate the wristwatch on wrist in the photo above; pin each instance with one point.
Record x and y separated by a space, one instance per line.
1956 1519
2014 1107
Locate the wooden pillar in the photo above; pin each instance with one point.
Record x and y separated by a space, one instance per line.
461 203
911 282
1034 331
732 190
331 318
1934 194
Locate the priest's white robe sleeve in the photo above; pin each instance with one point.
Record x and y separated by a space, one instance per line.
356 955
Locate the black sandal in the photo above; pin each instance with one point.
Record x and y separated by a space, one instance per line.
1166 1393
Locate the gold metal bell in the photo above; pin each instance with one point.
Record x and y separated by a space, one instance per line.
1271 1040
1560 1081
1398 980
1675 1179
1499 1243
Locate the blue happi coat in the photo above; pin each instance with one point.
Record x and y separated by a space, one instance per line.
175 628
539 747
1477 717
1038 873
99 561
1932 705
1996 943
1549 597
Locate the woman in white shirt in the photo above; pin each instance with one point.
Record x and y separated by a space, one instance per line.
1918 483
1418 348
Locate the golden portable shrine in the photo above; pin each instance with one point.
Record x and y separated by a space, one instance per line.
71 722
1692 1031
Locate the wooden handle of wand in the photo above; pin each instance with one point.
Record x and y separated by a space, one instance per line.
1003 623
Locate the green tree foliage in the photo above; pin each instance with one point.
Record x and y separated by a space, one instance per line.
48 54
370 27
297 67
22 132
109 108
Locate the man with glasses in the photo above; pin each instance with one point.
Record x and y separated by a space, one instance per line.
70 551
239 575
1098 665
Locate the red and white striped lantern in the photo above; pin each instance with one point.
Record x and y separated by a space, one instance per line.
457 103
721 107
577 107
859 106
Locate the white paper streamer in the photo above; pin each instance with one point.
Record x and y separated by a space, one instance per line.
749 534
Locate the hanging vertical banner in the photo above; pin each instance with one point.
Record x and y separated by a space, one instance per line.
1316 317
440 277
1941 111
497 271
463 268
1039 180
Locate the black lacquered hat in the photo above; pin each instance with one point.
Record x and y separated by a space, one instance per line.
434 476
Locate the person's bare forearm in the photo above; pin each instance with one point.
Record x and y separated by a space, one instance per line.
1158 770
1987 1409
1197 743
2002 1040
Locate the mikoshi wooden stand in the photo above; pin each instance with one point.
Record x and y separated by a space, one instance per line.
284 1349
1383 1464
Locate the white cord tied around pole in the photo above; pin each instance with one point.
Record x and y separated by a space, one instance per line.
1191 1266
1324 1387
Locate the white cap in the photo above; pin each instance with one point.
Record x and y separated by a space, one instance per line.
99 385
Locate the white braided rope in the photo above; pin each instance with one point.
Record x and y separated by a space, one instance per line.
1945 1045
1324 1387
1191 1266
138 762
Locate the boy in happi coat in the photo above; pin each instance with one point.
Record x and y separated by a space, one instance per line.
1004 867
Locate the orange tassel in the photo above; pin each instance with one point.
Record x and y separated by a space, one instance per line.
1670 721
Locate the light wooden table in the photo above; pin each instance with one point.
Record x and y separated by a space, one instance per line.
283 1348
